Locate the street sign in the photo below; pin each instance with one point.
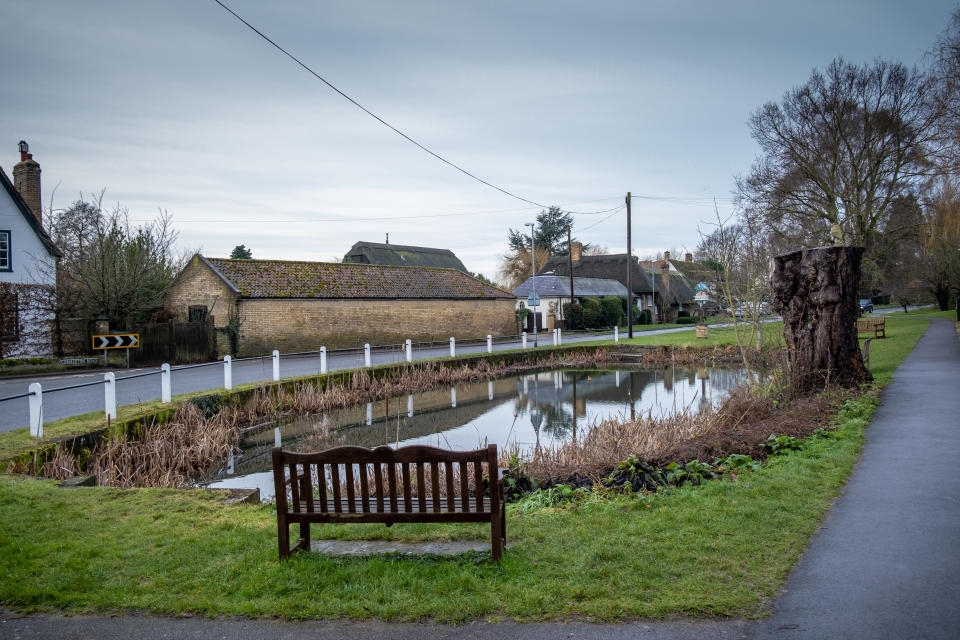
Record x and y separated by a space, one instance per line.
117 341
533 300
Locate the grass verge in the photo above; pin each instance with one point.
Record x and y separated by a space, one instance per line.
722 548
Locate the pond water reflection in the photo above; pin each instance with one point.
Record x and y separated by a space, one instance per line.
524 411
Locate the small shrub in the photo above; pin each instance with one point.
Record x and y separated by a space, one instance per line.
736 462
686 320
777 445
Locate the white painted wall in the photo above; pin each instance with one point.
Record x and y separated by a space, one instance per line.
31 262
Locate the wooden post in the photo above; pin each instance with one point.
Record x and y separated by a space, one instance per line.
629 275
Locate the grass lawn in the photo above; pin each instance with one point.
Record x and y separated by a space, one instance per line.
723 548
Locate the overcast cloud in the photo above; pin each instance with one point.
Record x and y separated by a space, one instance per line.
176 105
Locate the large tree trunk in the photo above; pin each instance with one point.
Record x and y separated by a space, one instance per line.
815 290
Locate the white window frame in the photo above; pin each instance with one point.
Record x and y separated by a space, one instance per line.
6 255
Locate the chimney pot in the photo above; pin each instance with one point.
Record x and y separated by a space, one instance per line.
26 179
666 256
689 257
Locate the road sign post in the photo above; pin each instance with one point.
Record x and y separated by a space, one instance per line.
117 341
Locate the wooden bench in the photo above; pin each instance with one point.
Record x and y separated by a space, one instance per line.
876 326
355 484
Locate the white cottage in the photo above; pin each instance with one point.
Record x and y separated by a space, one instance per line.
28 263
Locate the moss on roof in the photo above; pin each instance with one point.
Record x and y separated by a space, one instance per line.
335 280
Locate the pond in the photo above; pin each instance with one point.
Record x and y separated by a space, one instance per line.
520 411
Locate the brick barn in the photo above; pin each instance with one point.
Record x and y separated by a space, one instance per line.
301 306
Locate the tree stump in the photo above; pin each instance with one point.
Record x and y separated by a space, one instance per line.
815 290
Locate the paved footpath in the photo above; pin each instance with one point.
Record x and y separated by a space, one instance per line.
885 564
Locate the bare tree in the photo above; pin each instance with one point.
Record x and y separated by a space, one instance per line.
739 257
940 241
945 70
109 265
839 151
515 265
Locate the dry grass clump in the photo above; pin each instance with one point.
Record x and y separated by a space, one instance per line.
174 454
743 421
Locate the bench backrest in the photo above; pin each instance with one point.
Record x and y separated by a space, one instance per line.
383 480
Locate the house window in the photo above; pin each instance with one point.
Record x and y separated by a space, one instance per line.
198 313
5 251
9 316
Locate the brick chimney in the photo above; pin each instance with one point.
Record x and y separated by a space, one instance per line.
688 257
576 251
665 271
26 178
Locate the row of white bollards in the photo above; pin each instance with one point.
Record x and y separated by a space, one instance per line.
110 380
557 338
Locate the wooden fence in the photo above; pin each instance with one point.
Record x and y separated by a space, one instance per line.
176 342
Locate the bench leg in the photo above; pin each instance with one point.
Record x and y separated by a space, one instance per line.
495 530
305 535
283 536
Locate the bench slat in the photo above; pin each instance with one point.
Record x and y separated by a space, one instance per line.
351 493
421 487
435 484
322 485
451 496
478 484
378 478
429 510
392 485
405 472
464 485
335 480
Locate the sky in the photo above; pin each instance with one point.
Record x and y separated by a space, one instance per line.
178 106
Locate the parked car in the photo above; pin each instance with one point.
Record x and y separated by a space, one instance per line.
866 306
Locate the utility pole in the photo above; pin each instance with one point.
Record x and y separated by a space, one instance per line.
629 274
533 280
570 261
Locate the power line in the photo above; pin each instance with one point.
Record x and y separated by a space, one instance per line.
599 222
370 113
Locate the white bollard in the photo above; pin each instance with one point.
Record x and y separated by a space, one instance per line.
559 337
227 373
489 344
276 365
453 396
410 406
453 347
323 360
165 383
110 395
36 410
523 339
409 346
554 335
616 334
366 355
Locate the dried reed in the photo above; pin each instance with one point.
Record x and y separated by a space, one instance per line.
653 438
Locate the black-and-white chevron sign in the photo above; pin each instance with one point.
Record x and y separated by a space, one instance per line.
118 341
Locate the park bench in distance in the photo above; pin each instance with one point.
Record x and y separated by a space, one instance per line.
378 485
876 326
